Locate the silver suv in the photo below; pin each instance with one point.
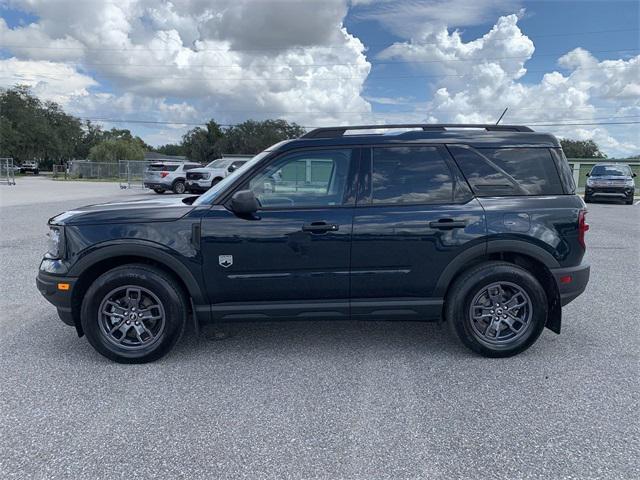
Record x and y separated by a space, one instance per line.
163 176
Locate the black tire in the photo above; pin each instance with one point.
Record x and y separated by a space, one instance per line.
159 191
587 199
474 281
179 187
151 279
629 201
216 180
36 172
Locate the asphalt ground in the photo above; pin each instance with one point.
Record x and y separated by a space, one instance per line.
318 399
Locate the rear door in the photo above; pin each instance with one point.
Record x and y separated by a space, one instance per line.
414 215
292 258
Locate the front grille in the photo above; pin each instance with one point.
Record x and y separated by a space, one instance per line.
196 176
610 189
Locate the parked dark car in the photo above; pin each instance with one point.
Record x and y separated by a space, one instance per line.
478 226
610 181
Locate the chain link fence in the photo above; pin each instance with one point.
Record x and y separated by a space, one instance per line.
131 173
7 171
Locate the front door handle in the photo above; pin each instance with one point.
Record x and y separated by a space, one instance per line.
448 224
319 227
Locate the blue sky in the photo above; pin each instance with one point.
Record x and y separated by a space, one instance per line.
180 63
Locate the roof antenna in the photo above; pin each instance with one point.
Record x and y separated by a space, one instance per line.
505 111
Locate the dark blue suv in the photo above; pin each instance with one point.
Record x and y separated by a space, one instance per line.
478 226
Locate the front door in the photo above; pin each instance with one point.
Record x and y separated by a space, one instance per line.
414 215
292 259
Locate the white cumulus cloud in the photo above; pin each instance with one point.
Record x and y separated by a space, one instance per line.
473 81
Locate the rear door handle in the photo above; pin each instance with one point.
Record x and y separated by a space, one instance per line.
319 227
448 224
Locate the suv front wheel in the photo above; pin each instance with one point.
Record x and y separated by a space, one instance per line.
497 309
133 314
179 187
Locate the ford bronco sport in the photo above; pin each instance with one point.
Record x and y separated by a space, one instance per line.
475 225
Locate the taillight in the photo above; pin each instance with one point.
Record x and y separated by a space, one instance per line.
583 226
163 174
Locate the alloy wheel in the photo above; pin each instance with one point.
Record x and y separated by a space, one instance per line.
131 317
500 313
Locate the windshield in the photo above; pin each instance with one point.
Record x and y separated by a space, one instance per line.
611 170
210 195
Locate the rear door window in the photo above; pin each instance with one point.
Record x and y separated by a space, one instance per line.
508 171
162 168
410 175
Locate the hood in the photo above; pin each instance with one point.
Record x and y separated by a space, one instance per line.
215 170
137 211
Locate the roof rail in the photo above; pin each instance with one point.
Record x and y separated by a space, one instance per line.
331 132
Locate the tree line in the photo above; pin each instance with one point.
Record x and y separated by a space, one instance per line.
32 129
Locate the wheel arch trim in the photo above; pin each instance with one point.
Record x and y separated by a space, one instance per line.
142 249
481 251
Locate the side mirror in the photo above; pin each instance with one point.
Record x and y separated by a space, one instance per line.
635 174
244 202
231 168
588 175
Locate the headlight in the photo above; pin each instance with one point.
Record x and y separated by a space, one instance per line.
629 183
55 242
206 176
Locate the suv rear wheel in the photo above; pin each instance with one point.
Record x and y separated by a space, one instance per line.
133 314
497 309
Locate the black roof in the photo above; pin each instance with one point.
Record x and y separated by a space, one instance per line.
487 136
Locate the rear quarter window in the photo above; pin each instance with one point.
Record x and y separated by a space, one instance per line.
508 171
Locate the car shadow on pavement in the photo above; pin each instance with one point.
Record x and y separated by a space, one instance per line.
318 337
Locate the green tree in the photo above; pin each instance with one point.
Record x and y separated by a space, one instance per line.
34 130
114 149
581 148
171 149
254 136
203 144
92 135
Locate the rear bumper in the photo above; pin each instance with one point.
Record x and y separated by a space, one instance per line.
61 299
571 281
154 185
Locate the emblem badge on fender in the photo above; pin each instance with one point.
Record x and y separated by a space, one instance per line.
225 260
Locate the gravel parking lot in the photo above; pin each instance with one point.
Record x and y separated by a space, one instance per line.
318 399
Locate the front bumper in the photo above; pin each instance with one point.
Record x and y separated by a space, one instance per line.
198 185
61 299
571 281
610 192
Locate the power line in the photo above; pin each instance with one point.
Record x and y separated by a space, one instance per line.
285 47
158 122
258 79
319 65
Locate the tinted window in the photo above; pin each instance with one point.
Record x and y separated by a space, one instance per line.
564 169
161 167
305 179
508 171
613 170
410 175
